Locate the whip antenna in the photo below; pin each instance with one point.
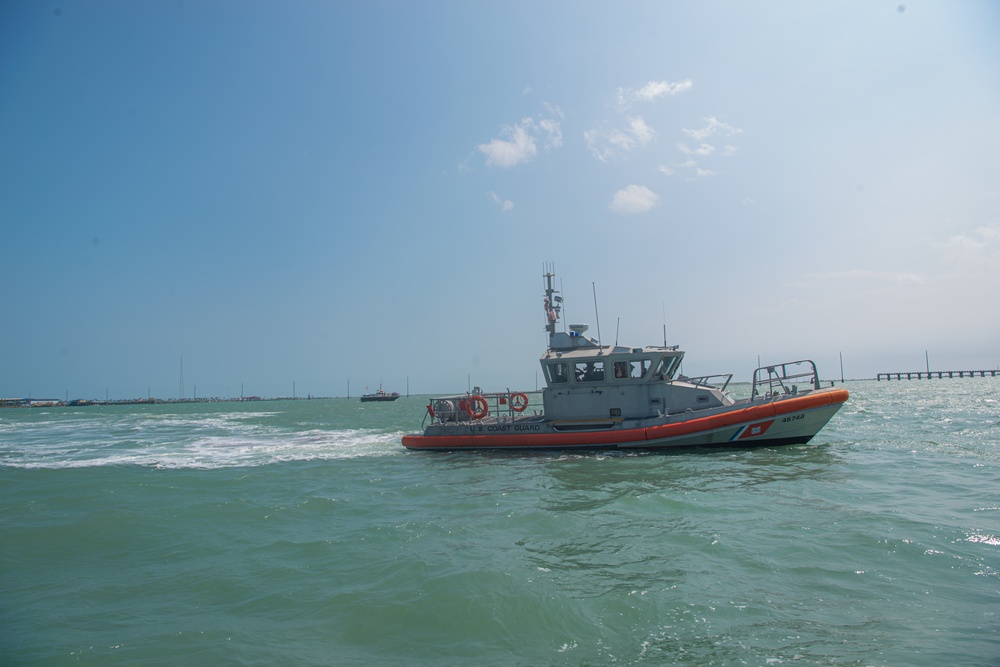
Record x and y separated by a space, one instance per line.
663 304
597 317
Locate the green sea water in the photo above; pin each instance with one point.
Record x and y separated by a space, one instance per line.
302 533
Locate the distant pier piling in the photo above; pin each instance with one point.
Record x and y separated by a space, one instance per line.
927 375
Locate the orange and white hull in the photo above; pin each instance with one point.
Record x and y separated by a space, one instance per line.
775 421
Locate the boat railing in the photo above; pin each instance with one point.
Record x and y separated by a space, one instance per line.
791 377
478 405
720 381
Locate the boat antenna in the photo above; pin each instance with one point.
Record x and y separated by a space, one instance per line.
562 291
617 328
597 317
663 304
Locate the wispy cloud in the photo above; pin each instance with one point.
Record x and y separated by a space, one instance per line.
614 143
612 140
634 199
519 143
703 149
651 91
983 242
553 133
969 256
516 147
691 167
713 126
504 204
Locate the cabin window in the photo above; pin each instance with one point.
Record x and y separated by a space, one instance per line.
589 371
634 369
665 369
557 373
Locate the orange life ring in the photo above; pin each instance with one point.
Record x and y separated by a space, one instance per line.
518 401
478 407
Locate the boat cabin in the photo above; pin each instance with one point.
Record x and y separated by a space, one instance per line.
585 379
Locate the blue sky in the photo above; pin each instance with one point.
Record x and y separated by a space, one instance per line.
310 193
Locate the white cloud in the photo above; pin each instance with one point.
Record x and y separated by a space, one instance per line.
519 142
703 149
609 141
651 91
518 147
643 133
553 132
655 89
615 143
713 125
965 248
634 199
504 204
595 142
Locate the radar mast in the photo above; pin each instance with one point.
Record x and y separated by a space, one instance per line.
553 304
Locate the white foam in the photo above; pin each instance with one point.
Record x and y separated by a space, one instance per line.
210 440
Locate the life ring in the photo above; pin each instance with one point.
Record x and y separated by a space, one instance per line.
430 410
518 401
478 407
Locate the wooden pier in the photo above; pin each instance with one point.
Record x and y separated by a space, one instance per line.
927 375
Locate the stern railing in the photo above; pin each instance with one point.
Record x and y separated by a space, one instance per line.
790 377
477 405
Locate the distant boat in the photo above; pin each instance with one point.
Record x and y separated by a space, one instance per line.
380 396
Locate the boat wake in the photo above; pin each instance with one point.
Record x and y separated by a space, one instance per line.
185 441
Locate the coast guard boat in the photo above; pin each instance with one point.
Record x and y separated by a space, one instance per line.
614 397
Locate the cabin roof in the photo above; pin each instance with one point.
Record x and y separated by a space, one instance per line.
607 351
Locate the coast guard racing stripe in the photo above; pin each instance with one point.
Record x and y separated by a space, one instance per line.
752 430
